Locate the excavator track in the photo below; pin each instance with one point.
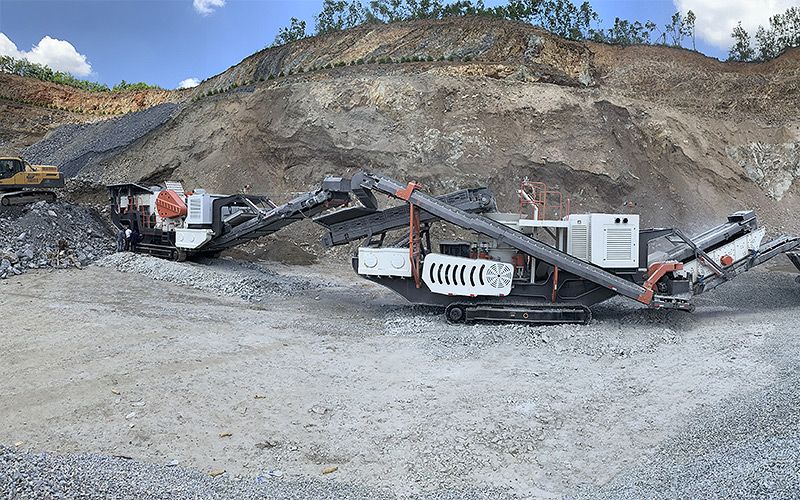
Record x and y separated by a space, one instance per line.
26 197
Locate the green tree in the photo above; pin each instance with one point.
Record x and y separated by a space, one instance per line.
767 42
464 8
519 10
674 30
124 86
783 32
424 9
338 15
625 32
387 11
742 49
688 27
23 67
295 31
565 19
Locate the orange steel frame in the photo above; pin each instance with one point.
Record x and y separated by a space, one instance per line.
542 198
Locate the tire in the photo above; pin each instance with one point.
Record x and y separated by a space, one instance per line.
5 202
455 313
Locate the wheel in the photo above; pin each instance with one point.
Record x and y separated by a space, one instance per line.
455 313
179 255
5 202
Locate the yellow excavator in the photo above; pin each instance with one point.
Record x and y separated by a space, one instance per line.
21 182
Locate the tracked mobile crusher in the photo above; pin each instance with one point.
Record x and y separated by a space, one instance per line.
527 267
540 265
176 224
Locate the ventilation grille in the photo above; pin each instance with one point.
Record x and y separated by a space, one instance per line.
619 243
499 276
452 275
456 274
580 242
494 275
174 186
195 206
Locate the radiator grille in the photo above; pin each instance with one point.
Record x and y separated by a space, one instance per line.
195 205
580 242
619 243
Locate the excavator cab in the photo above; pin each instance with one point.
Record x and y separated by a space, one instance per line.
21 182
9 167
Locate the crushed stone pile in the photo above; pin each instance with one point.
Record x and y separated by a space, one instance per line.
55 235
745 447
221 276
72 147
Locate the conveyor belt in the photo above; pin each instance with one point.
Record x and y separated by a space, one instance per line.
782 244
267 222
357 223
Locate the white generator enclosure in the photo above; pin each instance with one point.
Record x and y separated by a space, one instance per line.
450 275
605 240
384 262
199 208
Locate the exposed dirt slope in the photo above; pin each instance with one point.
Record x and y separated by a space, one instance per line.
17 88
685 138
30 108
688 80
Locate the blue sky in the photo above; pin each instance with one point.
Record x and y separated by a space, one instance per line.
167 41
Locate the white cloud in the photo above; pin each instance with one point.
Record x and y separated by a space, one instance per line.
717 18
206 7
189 83
8 48
59 55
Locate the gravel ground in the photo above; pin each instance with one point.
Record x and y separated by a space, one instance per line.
55 235
746 447
43 475
31 475
226 277
339 373
74 146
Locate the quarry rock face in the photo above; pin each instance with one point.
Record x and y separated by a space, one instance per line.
682 138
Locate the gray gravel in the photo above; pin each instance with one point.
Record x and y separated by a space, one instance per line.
44 475
746 447
55 235
72 147
221 276
28 475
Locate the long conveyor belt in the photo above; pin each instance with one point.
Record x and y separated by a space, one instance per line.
267 222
